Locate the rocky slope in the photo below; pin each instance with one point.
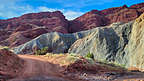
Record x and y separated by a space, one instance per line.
105 43
10 64
105 17
56 42
117 44
134 50
22 29
60 43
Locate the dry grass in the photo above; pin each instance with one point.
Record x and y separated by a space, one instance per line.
61 59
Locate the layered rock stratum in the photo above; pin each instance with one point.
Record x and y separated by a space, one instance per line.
105 17
22 29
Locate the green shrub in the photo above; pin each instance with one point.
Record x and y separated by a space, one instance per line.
89 55
4 47
42 51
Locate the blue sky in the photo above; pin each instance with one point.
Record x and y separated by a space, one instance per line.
70 8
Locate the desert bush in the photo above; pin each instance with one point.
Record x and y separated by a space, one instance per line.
42 51
89 55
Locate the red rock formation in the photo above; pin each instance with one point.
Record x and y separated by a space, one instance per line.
137 6
10 64
87 21
124 15
31 25
105 17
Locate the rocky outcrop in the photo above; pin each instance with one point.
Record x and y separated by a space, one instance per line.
87 21
10 64
134 50
105 17
30 26
47 19
60 43
56 43
122 44
105 43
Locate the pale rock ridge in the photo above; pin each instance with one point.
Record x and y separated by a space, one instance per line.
135 47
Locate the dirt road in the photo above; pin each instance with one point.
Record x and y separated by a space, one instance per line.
38 69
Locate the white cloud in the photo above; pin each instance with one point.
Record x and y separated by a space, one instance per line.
68 13
44 9
72 14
